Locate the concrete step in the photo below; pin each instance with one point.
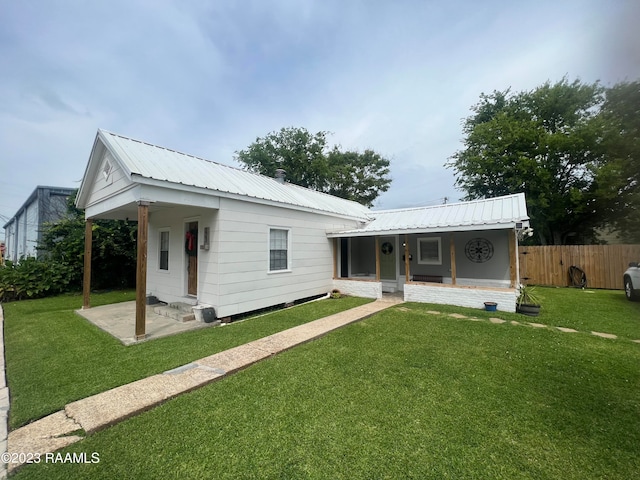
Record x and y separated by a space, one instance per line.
183 307
178 314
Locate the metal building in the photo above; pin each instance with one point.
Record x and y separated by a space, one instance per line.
23 231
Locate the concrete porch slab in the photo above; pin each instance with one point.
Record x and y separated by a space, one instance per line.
119 320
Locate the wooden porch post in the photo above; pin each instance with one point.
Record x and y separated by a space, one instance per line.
335 257
377 259
407 274
86 280
452 251
513 259
141 269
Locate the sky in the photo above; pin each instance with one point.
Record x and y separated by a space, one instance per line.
209 77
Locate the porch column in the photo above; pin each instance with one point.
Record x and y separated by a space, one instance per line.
452 251
407 274
377 259
513 258
86 279
335 257
141 269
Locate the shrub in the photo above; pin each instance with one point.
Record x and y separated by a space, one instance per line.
32 278
113 249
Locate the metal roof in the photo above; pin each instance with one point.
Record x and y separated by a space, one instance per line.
486 214
147 163
65 191
165 165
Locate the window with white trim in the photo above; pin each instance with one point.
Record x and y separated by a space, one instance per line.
278 249
430 251
163 259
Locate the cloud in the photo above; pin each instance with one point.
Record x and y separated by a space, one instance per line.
207 78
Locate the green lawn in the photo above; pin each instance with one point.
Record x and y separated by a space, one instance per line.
591 310
406 394
54 356
605 311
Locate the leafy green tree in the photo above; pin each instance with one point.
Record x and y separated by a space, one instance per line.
113 248
356 176
310 162
618 180
545 143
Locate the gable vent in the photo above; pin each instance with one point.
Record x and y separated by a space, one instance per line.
106 171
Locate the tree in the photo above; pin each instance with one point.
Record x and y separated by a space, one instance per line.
356 176
618 181
113 248
310 162
545 143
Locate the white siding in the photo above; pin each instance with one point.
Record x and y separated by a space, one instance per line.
171 285
241 256
106 186
233 275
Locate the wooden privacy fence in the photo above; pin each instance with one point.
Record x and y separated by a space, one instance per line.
603 265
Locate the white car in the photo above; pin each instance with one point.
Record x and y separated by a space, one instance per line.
632 281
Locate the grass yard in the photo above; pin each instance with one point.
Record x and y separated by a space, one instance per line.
590 310
54 356
605 311
404 394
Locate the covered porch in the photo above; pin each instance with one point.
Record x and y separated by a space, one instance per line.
424 271
459 254
125 179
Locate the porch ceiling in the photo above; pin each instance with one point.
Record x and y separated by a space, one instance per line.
124 204
129 211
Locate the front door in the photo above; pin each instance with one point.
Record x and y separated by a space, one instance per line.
388 254
191 250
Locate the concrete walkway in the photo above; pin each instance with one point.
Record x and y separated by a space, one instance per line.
104 409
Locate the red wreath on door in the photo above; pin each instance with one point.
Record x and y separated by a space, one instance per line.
190 242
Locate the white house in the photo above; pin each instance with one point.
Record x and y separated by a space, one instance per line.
216 235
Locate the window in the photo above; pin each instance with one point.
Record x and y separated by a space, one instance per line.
164 250
429 251
278 249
